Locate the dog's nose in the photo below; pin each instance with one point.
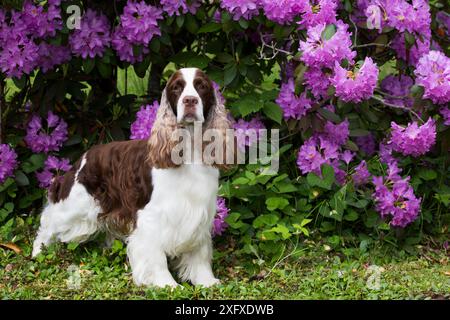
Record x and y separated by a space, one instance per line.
190 100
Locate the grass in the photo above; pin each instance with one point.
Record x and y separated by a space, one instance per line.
315 272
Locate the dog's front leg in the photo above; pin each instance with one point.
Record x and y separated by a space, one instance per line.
148 260
196 265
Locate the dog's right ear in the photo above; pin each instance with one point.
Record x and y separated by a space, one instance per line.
161 140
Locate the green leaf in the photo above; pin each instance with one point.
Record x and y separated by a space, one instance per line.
9 182
72 246
233 220
210 27
191 24
410 40
417 91
88 65
371 219
265 220
273 111
247 105
359 133
283 230
274 203
141 68
180 20
243 23
427 174
33 163
327 114
21 178
338 204
329 32
21 82
326 182
240 180
104 69
224 57
229 75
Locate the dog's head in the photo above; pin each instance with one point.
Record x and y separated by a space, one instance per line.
189 97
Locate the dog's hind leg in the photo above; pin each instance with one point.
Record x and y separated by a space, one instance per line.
71 219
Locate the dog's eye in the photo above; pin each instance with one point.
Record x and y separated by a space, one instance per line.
200 86
176 88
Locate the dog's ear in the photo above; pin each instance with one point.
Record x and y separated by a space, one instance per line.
161 140
219 123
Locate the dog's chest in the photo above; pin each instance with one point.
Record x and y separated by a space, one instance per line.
194 184
184 203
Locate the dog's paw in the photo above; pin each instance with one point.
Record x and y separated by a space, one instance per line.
208 282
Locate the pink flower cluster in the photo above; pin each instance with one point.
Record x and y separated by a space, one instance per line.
141 128
413 139
395 198
50 138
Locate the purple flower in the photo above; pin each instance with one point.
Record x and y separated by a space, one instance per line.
140 21
293 106
124 47
93 36
41 140
19 54
314 152
41 23
413 17
317 81
433 73
337 133
51 56
347 156
318 12
355 86
413 140
361 175
283 11
246 9
52 166
386 154
366 144
248 132
319 52
8 162
443 19
396 199
219 224
411 56
175 7
398 88
138 25
445 112
141 128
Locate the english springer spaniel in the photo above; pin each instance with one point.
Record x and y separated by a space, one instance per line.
133 188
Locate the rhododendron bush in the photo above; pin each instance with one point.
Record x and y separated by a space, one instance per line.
360 92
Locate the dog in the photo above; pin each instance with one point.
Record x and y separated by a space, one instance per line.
134 189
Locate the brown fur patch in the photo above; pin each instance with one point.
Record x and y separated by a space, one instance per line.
61 186
118 176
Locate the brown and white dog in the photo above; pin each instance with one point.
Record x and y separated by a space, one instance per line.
135 189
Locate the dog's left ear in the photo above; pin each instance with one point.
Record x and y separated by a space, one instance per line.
161 140
219 123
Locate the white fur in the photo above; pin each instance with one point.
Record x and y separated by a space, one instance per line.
176 223
73 219
189 90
